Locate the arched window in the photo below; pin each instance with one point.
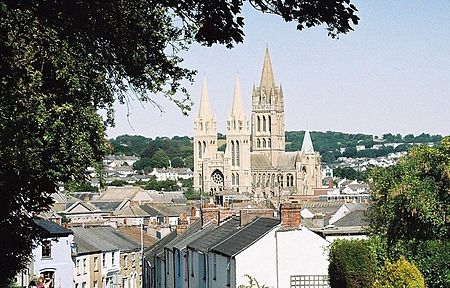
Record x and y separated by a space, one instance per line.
269 143
264 143
289 180
258 143
237 178
258 122
233 153
264 123
200 150
237 154
263 180
270 123
233 179
204 148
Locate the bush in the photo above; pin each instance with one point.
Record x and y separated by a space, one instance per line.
352 264
401 274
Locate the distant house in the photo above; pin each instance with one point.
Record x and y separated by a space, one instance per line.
163 174
51 262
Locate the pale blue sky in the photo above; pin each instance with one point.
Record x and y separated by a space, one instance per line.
392 74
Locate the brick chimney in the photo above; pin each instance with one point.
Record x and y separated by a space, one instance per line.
248 215
209 214
182 224
290 215
193 217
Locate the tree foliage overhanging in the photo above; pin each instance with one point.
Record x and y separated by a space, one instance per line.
62 61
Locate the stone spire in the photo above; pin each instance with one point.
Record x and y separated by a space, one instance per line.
307 146
205 108
237 109
267 79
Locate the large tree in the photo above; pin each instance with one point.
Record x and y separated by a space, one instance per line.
63 60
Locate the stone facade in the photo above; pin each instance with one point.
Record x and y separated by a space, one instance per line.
255 161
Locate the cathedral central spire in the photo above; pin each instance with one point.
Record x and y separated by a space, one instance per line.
267 78
205 108
307 145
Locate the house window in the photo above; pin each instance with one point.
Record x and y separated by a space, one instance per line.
104 259
214 266
125 283
95 263
228 272
78 267
46 249
84 266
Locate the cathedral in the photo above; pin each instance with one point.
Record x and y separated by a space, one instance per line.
255 162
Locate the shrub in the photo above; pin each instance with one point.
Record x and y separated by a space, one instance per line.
400 274
352 264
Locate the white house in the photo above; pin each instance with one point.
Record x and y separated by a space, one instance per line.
52 262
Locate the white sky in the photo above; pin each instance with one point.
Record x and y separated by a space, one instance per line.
392 74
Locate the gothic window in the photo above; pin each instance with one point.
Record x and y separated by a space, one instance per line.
201 126
269 143
254 180
233 179
237 178
204 147
200 150
270 123
233 154
234 124
264 123
258 143
264 143
258 122
289 180
237 154
273 180
263 180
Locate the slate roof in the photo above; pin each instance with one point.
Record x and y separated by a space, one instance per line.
217 235
165 210
260 161
353 218
106 206
157 249
286 160
50 228
191 230
197 235
245 236
94 239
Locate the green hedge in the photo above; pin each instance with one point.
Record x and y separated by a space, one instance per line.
352 264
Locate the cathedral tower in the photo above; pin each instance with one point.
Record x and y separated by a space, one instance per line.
205 140
268 114
237 164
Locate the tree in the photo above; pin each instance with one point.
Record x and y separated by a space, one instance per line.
160 159
411 199
411 208
401 274
62 61
177 162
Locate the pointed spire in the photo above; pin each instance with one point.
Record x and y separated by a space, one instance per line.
307 146
237 108
267 79
205 109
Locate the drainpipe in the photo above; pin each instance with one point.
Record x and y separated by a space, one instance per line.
276 255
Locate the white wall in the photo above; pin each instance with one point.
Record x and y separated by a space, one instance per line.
259 261
110 271
60 261
346 237
81 272
300 252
